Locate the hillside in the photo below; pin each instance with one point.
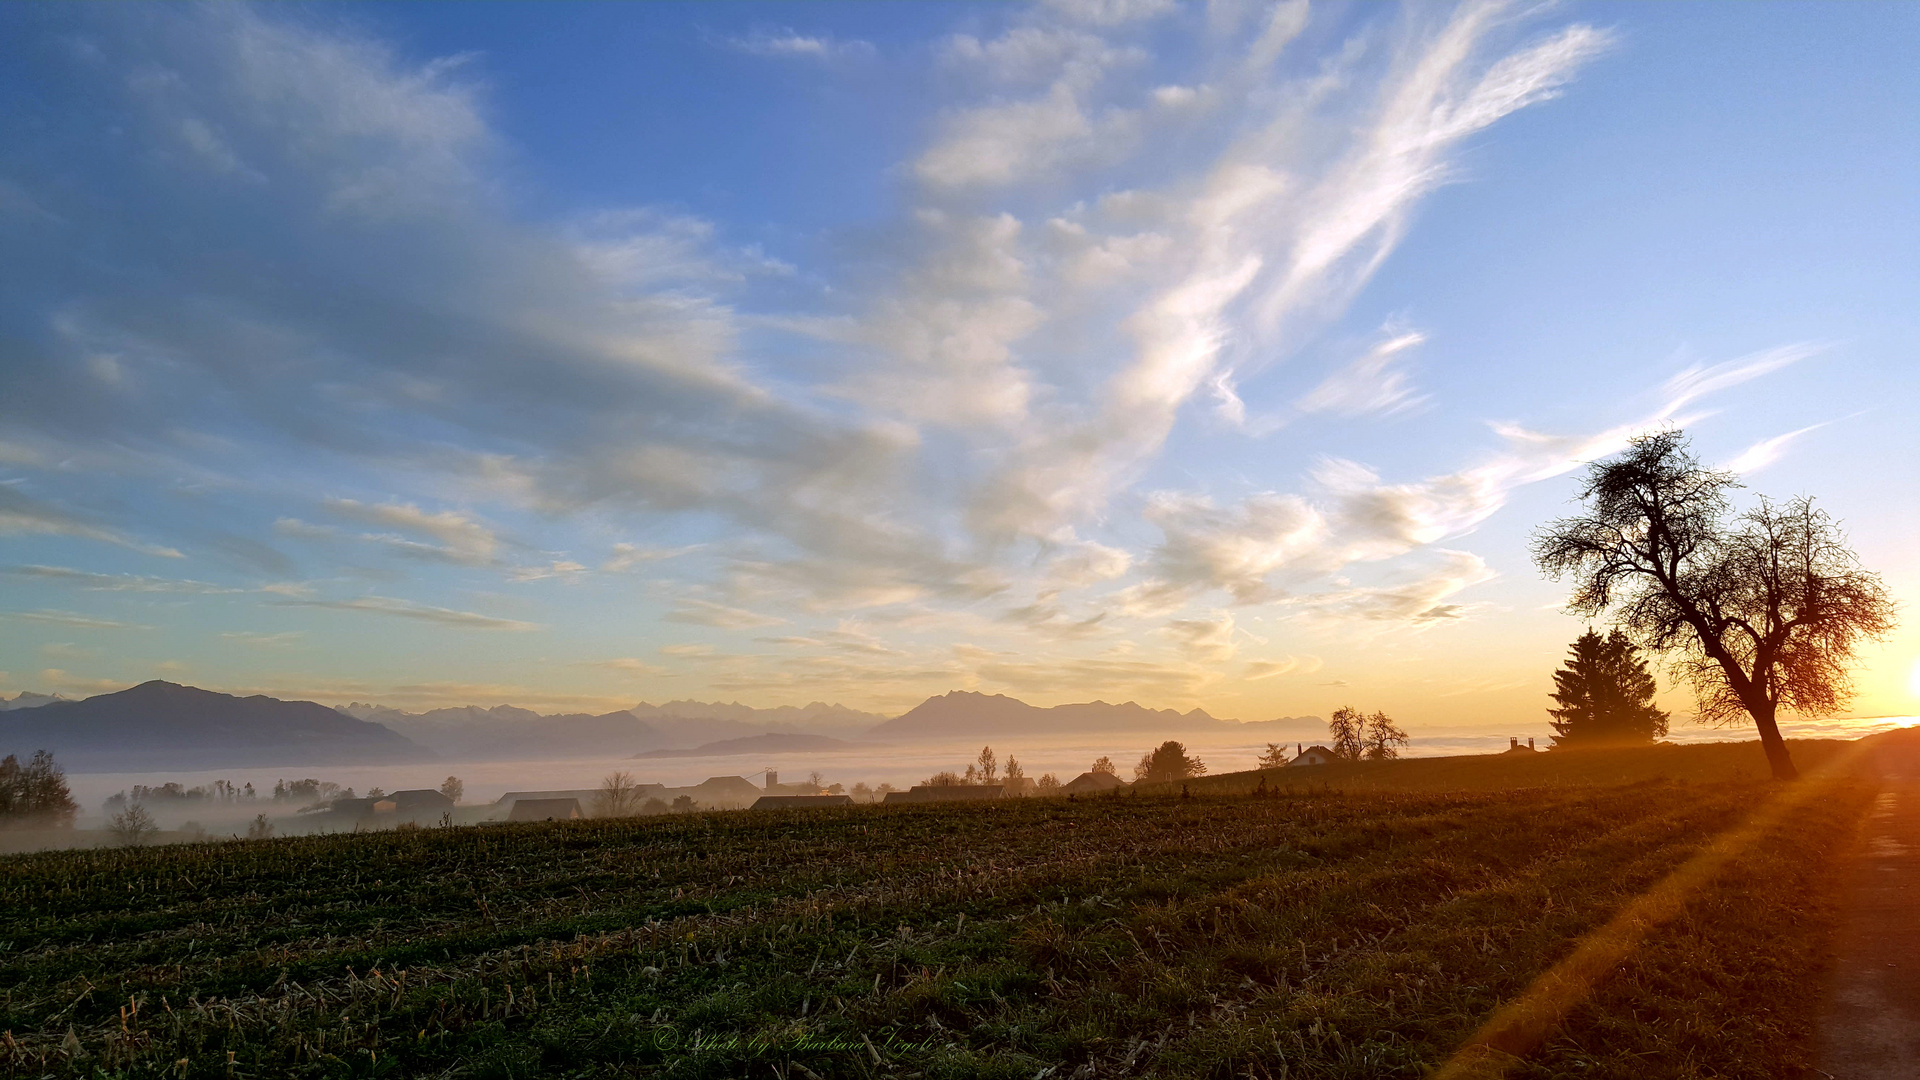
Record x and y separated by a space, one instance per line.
163 725
507 733
966 713
1693 763
777 742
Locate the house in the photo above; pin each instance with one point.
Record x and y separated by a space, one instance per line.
790 802
1090 783
946 793
545 810
588 798
1311 755
1514 747
1021 787
717 793
350 809
417 802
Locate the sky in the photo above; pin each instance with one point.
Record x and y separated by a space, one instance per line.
1219 356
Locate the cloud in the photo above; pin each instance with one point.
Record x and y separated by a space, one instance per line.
708 613
407 609
787 42
628 665
263 641
21 514
628 556
1256 670
1207 641
1699 381
1370 384
1421 601
73 619
1274 235
461 538
1766 451
87 579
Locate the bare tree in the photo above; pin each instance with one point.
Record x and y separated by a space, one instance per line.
618 797
1015 771
133 826
1347 733
1383 738
1104 765
989 765
1757 612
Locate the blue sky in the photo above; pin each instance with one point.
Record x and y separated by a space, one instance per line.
1221 356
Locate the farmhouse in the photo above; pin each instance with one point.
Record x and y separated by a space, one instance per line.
946 793
1312 755
1090 783
545 810
1514 747
790 802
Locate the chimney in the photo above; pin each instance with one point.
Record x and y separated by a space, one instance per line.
773 779
1529 742
1299 748
1513 743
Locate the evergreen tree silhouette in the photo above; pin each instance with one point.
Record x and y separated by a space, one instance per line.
1605 694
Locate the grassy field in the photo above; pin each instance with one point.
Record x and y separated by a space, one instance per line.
1332 933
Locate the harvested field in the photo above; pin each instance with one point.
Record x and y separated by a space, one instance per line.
1324 934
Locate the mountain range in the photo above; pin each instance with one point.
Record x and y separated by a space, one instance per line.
161 725
964 712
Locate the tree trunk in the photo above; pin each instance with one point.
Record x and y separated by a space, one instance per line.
1774 745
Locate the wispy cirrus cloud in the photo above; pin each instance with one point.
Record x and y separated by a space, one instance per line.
407 609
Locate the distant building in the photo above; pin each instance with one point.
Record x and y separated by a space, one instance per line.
1090 783
415 802
1514 747
545 810
1021 787
791 802
946 793
1312 755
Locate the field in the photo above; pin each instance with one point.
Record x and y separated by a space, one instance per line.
1317 933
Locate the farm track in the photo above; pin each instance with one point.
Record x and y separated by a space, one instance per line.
1324 935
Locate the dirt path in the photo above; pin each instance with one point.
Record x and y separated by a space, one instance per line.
1870 1020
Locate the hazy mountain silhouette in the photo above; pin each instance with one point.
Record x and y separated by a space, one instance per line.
163 725
708 720
508 733
965 713
27 699
771 743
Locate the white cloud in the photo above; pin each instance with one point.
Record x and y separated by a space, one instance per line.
708 613
70 618
1766 451
87 579
787 42
1371 384
23 515
407 609
461 538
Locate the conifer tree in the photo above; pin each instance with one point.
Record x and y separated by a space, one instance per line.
1605 694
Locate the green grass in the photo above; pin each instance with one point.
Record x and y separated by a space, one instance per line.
1331 934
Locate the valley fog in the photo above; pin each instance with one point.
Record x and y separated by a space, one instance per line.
901 764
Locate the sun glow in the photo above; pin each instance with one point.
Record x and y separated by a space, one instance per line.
1913 680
